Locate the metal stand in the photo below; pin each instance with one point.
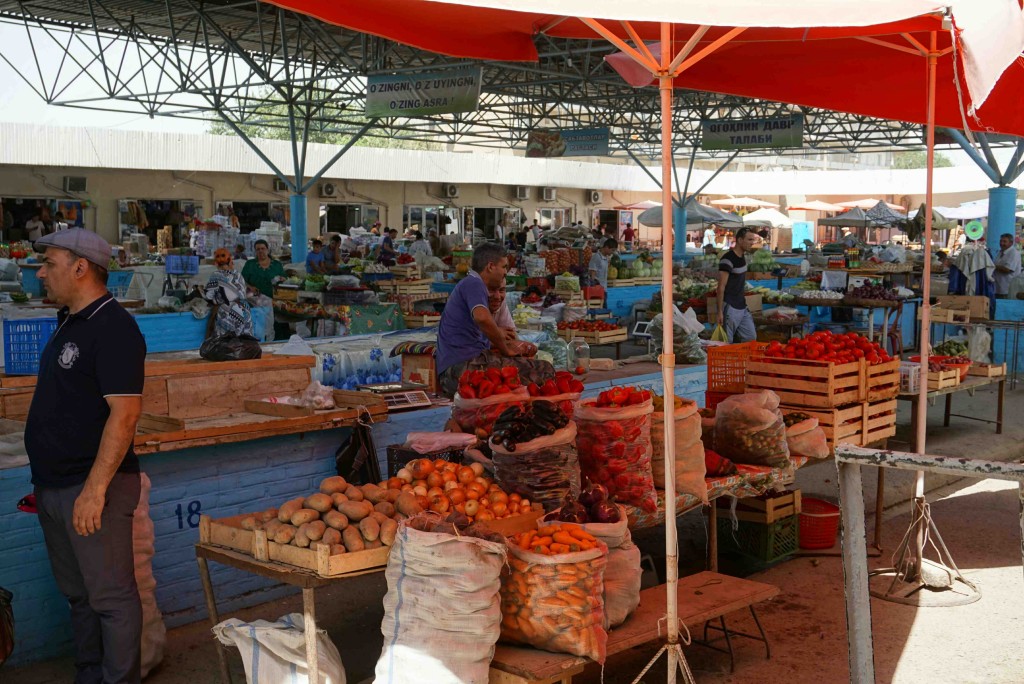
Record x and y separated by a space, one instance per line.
728 634
674 653
917 581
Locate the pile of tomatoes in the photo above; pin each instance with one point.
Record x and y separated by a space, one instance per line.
588 326
441 487
405 259
830 348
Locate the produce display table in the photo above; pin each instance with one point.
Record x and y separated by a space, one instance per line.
871 308
284 574
702 597
358 319
969 385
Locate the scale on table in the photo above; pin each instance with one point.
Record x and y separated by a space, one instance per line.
399 396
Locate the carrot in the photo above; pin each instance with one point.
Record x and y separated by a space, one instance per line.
544 550
526 538
580 533
544 541
564 538
559 548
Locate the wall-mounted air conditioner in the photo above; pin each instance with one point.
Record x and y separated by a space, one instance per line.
549 194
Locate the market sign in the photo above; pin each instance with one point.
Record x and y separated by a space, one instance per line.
576 142
746 134
437 92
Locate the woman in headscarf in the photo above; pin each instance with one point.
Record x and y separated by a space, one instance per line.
226 290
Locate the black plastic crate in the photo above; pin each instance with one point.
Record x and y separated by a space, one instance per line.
766 543
399 456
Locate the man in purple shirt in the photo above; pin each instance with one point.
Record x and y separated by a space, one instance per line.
467 328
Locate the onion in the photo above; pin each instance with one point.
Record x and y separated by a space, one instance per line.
573 511
593 494
604 512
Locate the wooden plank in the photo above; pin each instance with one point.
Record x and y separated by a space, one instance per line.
702 597
197 397
276 571
267 408
14 403
152 423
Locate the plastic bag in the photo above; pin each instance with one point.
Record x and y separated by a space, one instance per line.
749 429
429 442
685 345
623 573
719 335
555 602
316 396
442 614
979 344
231 347
574 313
275 652
806 438
477 416
543 470
689 456
614 447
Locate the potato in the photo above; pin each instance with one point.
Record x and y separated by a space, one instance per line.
407 505
304 515
336 520
250 523
393 495
375 544
331 537
373 493
338 498
388 532
285 512
369 528
333 484
271 527
318 502
379 517
315 530
354 493
353 540
337 549
386 509
300 539
267 515
356 510
285 534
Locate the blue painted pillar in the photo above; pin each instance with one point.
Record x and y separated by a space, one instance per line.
299 237
1002 205
679 231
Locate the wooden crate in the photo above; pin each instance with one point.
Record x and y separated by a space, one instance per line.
421 320
650 280
409 287
374 404
819 384
572 297
596 337
943 379
861 424
406 271
987 370
764 509
942 315
286 294
622 282
516 523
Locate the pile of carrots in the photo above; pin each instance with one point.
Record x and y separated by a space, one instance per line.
555 539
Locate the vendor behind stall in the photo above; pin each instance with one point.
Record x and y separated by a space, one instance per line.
467 331
315 262
502 316
259 274
598 266
226 290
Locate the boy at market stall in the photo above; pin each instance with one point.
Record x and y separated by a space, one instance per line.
467 331
733 313
598 266
315 262
388 254
627 237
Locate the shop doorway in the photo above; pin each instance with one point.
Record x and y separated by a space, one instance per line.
341 218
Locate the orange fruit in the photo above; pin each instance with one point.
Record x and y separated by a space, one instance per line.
484 514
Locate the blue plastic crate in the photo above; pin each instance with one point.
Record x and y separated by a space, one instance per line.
23 344
118 282
176 264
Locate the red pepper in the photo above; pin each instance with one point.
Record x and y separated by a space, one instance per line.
476 377
464 378
509 372
493 374
514 383
533 389
563 386
549 389
467 392
486 389
502 389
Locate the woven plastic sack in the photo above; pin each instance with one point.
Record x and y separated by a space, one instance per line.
622 575
749 429
477 416
689 455
555 602
275 652
806 438
154 634
614 447
442 614
543 470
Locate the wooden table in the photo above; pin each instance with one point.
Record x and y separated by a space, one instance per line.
279 572
702 597
969 385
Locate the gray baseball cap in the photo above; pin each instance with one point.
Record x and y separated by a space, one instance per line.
78 241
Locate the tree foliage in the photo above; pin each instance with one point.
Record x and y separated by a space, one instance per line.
918 159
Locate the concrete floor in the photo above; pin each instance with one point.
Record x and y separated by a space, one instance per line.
978 643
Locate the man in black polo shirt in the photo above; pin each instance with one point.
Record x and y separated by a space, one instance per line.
733 314
79 436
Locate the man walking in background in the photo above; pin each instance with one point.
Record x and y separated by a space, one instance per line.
79 434
733 314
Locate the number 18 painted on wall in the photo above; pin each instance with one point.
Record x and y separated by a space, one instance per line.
189 515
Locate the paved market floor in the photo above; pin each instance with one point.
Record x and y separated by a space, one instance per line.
979 643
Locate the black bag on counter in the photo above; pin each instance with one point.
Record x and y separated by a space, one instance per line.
231 347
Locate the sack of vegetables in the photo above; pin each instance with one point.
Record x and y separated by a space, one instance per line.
689 457
442 614
607 521
614 444
544 469
749 429
804 436
476 414
552 591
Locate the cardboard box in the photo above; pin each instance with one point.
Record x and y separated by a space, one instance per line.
754 305
977 307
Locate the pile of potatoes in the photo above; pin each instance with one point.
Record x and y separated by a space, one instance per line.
346 517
